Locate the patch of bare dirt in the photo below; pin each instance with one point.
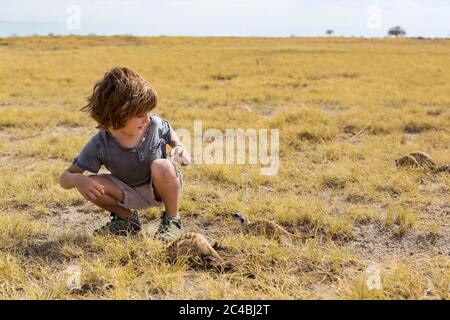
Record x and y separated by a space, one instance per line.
376 241
80 219
370 240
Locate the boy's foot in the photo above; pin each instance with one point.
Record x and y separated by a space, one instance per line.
119 226
170 228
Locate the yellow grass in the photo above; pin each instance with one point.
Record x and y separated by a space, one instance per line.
346 108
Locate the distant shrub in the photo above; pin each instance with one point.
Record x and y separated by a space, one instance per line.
397 32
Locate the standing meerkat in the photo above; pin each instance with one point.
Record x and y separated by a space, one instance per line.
263 227
192 245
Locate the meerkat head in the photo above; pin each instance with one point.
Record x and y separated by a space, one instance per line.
239 216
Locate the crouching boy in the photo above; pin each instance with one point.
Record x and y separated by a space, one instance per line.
131 144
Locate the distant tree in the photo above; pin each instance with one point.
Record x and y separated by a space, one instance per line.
397 31
329 32
293 35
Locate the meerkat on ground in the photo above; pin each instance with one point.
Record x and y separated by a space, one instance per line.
263 227
407 161
423 159
192 245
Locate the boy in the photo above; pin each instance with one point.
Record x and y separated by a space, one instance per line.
131 144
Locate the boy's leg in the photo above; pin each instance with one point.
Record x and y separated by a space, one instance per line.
167 189
123 221
166 185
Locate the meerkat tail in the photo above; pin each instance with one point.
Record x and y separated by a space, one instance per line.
214 253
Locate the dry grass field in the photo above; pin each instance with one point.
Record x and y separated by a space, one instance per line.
345 108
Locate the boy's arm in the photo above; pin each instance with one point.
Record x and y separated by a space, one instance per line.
181 153
71 177
89 188
174 141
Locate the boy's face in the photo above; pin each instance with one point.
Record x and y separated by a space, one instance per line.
137 125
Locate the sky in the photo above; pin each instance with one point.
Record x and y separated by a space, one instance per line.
264 18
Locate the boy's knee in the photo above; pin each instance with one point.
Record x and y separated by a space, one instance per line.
162 169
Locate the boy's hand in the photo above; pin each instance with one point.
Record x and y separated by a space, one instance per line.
89 188
179 154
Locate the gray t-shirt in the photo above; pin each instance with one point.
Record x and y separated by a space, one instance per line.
131 165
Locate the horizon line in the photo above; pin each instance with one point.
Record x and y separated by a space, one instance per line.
51 34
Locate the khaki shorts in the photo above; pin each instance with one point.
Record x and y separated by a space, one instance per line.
141 197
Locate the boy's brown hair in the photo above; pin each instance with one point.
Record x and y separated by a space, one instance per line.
121 95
